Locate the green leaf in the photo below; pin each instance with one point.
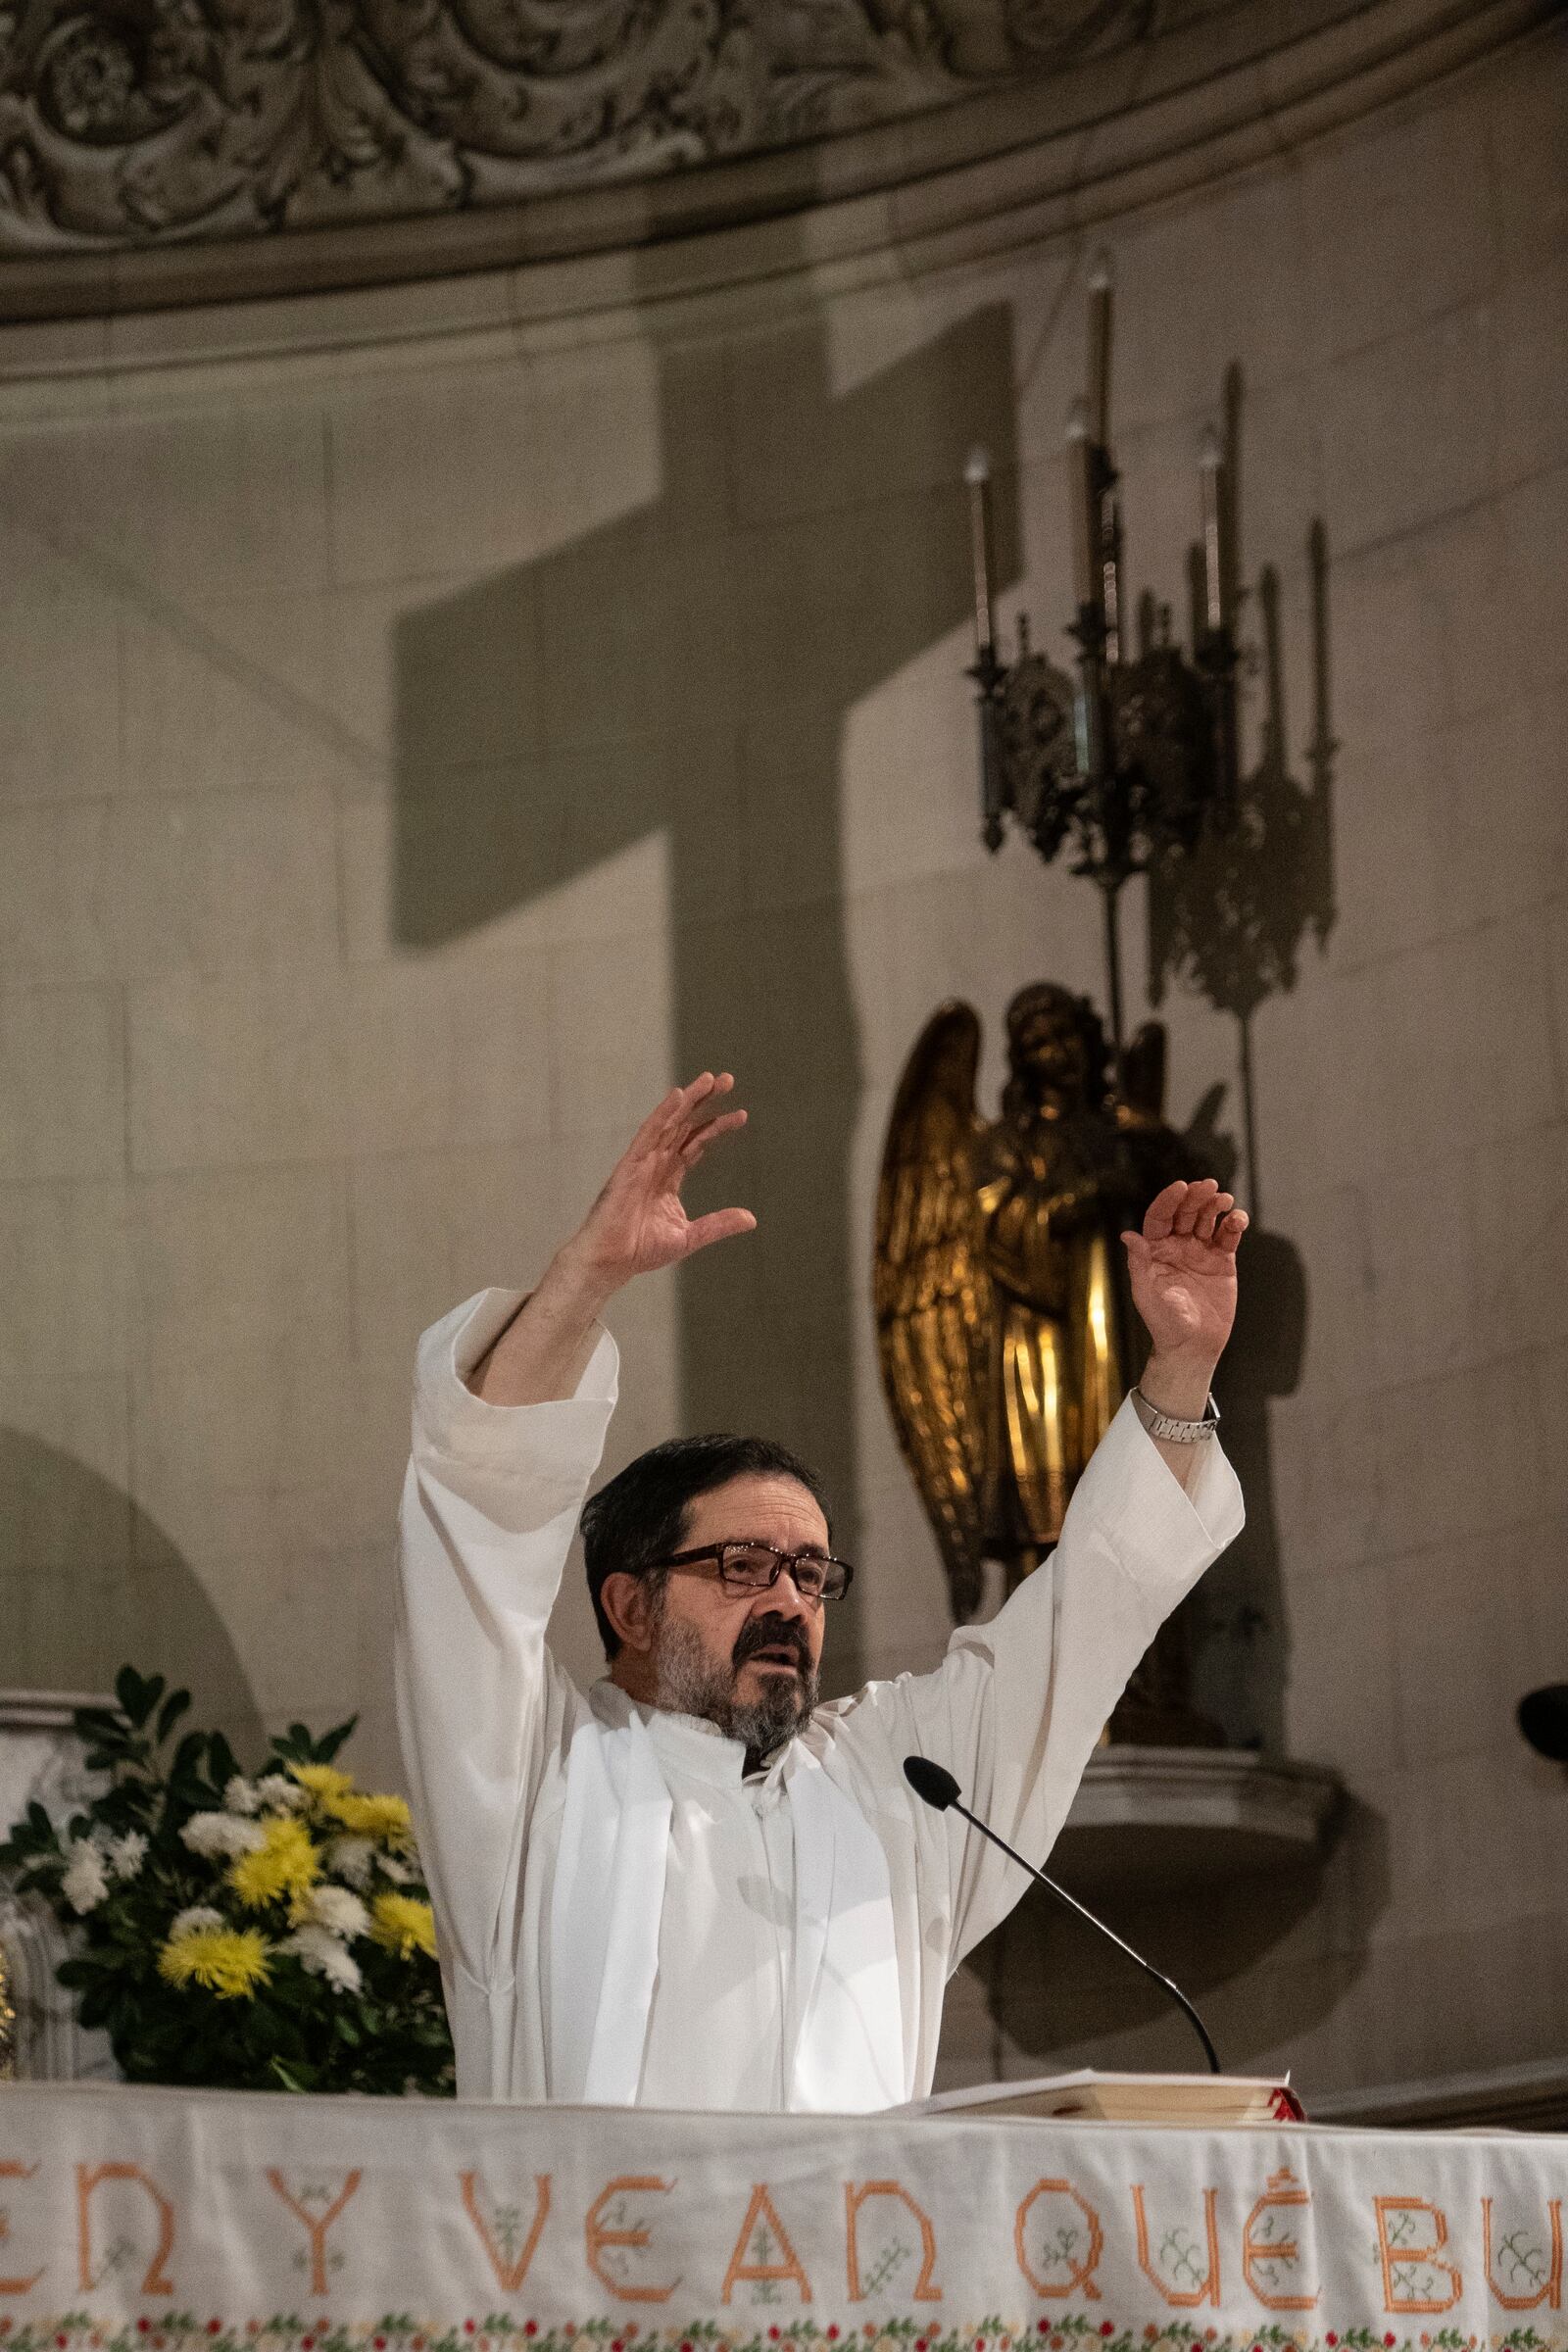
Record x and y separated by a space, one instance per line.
223 1765
327 1745
173 1707
128 1689
94 2007
96 1723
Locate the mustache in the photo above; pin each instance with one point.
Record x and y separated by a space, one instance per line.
773 1632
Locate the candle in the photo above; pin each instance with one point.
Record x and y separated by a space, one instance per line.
1210 469
977 474
1085 507
1110 583
1099 284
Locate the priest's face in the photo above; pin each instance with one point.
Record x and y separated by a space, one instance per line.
747 1661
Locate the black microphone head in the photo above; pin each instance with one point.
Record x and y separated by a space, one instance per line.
931 1782
1544 1721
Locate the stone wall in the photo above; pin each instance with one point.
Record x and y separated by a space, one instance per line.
435 718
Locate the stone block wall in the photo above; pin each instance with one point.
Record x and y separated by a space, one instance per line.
419 748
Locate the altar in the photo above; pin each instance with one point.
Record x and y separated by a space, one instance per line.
164 2219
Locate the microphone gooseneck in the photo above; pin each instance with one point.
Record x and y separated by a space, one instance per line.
938 1789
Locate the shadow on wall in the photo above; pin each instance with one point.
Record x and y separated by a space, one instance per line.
688 670
1230 922
127 1595
1265 1959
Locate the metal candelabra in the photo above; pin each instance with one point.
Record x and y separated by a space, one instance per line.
1126 762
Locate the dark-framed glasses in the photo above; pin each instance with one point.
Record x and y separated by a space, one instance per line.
756 1567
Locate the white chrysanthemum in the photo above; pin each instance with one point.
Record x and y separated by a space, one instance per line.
324 1954
87 1882
127 1854
338 1911
401 1873
351 1859
239 1796
279 1794
215 1834
198 1919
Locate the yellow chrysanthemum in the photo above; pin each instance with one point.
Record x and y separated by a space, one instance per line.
286 1862
384 1817
404 1924
324 1781
228 1961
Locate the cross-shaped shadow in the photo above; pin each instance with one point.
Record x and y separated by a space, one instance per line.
689 668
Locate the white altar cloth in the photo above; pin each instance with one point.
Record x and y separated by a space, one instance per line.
163 2220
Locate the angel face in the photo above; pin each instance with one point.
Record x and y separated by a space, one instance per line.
745 1661
1048 1047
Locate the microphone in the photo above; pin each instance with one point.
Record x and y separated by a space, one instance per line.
940 1791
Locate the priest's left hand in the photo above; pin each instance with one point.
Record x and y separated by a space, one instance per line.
1183 1272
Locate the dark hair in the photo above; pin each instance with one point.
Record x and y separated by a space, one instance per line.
640 1517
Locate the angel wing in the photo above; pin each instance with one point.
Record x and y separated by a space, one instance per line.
934 1308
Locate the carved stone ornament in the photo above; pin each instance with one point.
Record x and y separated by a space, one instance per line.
125 122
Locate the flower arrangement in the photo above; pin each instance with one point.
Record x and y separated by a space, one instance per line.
258 1933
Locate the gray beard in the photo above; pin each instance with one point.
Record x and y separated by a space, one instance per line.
689 1682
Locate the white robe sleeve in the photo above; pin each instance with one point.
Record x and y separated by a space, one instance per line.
490 1504
1017 1706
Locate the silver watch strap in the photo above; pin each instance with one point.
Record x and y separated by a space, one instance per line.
1169 1430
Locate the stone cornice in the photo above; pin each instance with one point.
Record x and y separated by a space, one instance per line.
1053 153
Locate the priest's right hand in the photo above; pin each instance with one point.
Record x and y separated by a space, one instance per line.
637 1225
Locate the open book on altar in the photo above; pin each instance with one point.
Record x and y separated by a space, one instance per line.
1216 2101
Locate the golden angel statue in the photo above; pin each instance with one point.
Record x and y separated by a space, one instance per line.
1004 1320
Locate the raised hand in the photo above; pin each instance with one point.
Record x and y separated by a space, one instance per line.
1183 1272
636 1226
638 1223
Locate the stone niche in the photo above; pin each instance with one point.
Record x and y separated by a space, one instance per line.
41 1762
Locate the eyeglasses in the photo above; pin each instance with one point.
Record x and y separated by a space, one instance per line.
756 1567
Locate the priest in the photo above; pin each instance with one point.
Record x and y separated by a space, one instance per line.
693 1884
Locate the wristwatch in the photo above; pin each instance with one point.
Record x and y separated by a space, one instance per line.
1169 1429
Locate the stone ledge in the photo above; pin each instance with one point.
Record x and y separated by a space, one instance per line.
1532 2097
1171 1818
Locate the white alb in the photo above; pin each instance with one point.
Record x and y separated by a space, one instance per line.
624 1914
